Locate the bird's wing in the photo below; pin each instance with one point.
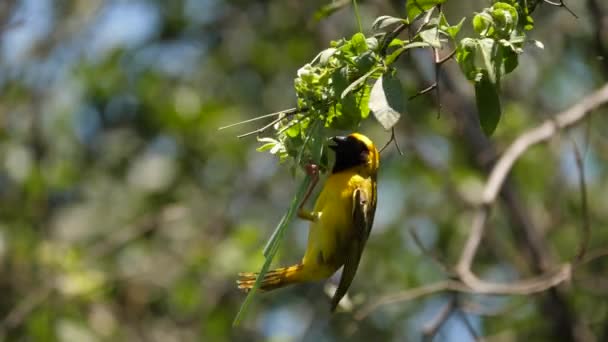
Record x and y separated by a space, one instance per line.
364 207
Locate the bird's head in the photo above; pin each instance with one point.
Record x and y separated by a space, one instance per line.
355 150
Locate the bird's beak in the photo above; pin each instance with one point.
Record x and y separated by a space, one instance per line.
339 140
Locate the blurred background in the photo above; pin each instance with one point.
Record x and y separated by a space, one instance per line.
125 214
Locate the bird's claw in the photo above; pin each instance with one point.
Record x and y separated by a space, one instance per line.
312 169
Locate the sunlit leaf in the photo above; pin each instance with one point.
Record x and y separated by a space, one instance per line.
387 101
358 81
325 55
395 54
385 21
359 43
485 48
452 31
431 37
415 7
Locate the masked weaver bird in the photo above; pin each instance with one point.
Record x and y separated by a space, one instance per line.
340 222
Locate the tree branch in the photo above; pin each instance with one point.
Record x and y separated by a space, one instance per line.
504 165
467 281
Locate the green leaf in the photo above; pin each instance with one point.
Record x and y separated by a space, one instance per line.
485 47
329 9
357 82
385 21
488 104
387 101
529 24
266 147
415 7
364 62
325 55
510 59
372 43
505 14
349 112
359 43
465 56
452 31
431 37
339 80
395 54
483 24
397 42
363 102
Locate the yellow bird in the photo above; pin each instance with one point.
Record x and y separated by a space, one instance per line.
340 222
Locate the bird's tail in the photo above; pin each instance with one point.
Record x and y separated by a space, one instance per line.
273 279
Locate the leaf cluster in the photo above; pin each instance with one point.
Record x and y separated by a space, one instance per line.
494 52
353 77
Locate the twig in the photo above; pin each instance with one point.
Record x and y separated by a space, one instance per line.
432 328
426 19
390 36
468 325
531 285
437 67
473 285
403 296
423 91
293 123
261 130
593 255
20 312
586 227
433 256
438 63
561 4
286 111
392 139
540 134
478 309
468 281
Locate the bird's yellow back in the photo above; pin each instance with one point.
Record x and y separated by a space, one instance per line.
335 223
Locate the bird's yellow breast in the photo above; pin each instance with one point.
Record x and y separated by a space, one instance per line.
334 225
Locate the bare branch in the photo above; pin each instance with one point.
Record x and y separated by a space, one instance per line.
432 328
540 134
403 296
494 184
468 325
424 91
393 139
594 255
473 285
561 4
522 287
390 36
467 281
286 112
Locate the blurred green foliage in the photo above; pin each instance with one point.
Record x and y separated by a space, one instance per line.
126 215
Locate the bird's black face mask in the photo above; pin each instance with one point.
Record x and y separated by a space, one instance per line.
350 152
